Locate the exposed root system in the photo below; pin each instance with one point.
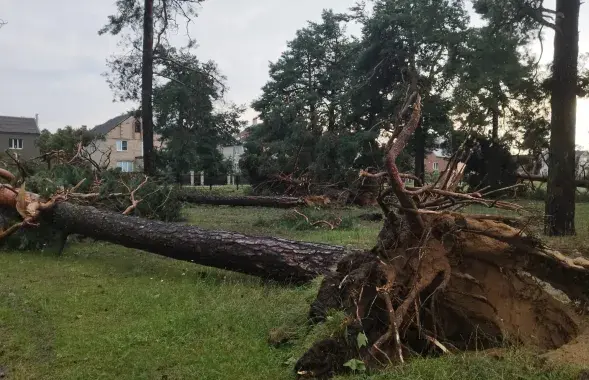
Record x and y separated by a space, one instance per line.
439 281
446 291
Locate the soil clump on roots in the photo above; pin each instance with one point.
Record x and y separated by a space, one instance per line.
445 291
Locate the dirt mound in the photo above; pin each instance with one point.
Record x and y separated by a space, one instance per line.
463 285
574 353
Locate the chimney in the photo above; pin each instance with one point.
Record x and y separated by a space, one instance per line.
37 119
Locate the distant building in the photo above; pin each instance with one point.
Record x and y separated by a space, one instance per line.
539 165
436 162
20 135
234 152
123 144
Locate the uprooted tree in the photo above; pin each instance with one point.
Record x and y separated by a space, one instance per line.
437 280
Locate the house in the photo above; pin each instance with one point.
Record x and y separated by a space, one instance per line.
539 165
435 162
20 134
234 152
122 145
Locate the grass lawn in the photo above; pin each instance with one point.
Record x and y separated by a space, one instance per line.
106 312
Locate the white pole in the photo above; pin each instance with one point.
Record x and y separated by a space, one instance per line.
192 178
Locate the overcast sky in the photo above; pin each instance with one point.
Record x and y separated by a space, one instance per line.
51 57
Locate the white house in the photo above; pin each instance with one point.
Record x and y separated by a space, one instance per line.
540 166
233 153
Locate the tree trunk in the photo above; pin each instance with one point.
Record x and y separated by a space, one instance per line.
420 152
276 202
270 258
560 203
147 90
493 165
495 131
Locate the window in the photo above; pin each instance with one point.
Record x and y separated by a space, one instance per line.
126 166
15 143
121 145
436 166
137 126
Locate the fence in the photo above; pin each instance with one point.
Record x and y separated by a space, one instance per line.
198 179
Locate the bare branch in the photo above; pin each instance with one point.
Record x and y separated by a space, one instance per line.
135 202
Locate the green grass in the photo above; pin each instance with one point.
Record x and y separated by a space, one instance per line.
106 312
222 189
270 222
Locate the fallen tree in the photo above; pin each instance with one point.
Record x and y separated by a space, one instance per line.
270 258
251 201
539 178
440 281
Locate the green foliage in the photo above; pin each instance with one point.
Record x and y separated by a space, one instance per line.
64 139
498 84
488 157
331 97
355 365
305 106
188 122
362 340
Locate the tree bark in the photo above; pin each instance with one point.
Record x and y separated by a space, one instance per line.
493 165
495 125
560 203
147 90
420 152
276 202
270 258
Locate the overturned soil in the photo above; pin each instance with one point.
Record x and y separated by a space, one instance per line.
574 353
464 284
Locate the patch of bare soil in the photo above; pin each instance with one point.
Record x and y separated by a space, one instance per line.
574 353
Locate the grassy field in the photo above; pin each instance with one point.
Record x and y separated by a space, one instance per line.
106 312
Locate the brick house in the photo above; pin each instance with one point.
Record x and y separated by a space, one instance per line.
122 146
435 162
20 134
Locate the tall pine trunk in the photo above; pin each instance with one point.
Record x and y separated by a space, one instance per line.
147 90
560 203
420 152
493 162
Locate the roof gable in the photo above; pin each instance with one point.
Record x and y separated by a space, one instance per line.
108 126
26 125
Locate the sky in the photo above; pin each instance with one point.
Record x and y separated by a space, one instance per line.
52 58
